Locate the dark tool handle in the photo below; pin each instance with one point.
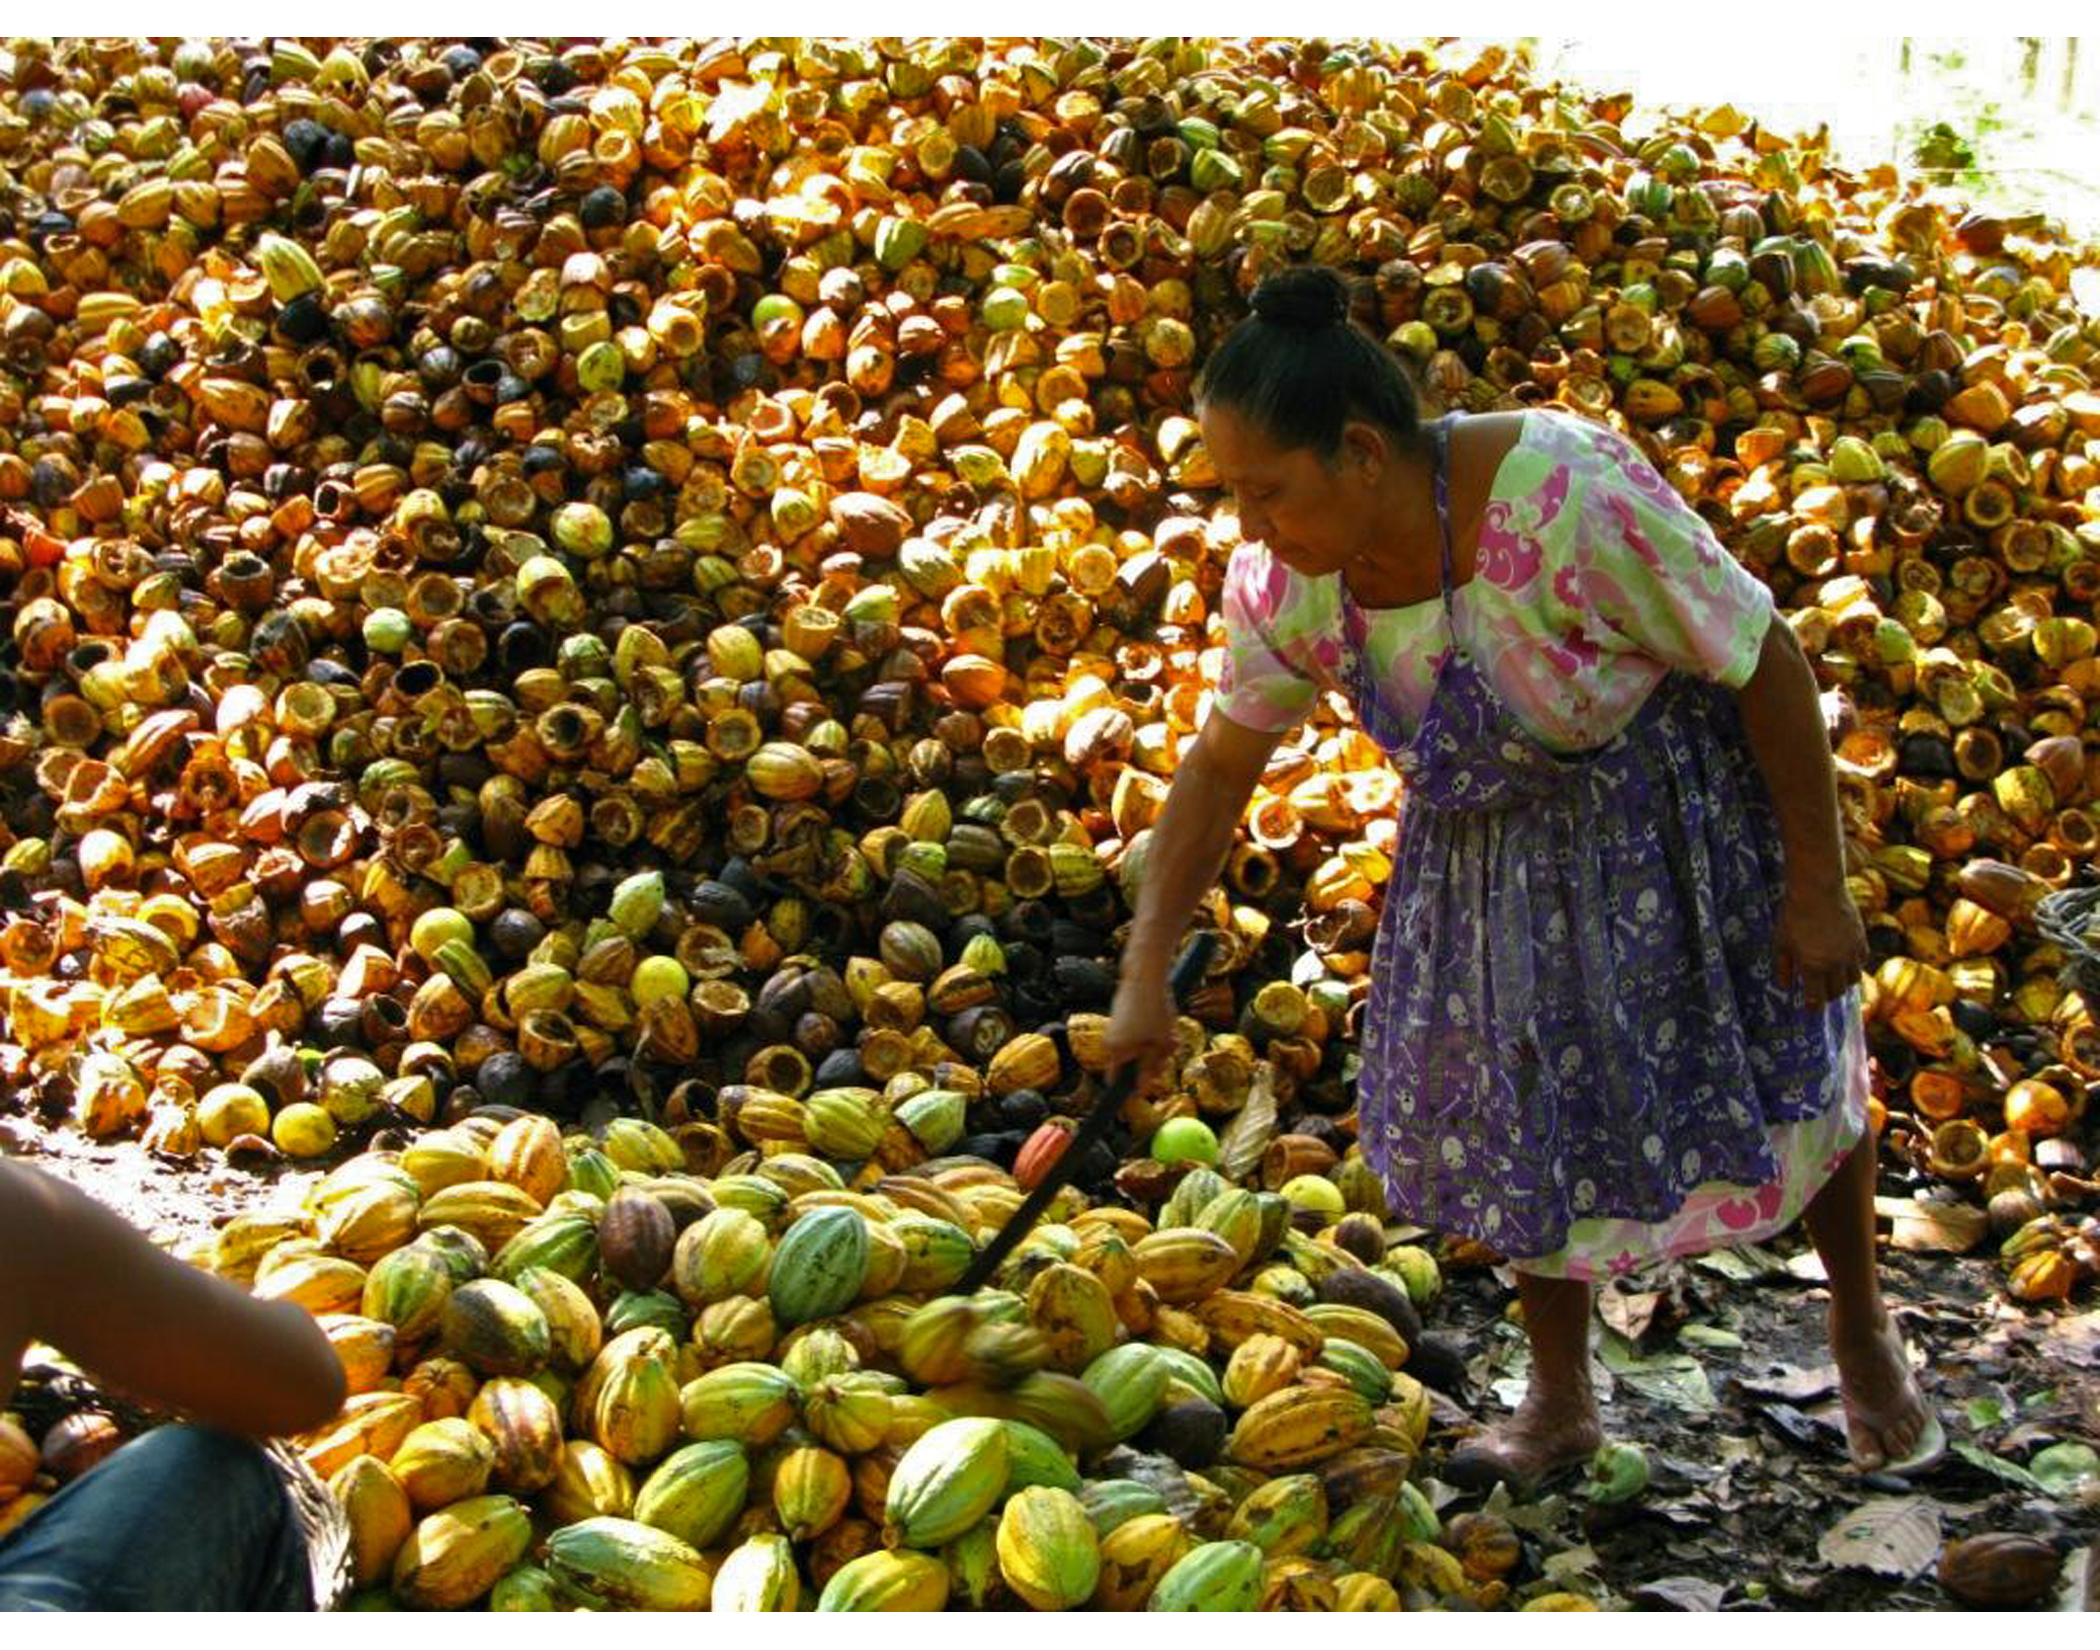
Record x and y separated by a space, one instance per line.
1189 969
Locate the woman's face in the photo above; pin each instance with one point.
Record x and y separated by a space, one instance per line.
1316 517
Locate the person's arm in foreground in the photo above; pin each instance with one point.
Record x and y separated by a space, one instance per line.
1821 941
76 1276
1190 839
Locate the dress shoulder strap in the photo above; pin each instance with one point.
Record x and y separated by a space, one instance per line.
1448 577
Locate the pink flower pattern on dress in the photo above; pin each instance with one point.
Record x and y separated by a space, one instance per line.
1630 527
1642 476
1573 655
1510 560
1263 597
1510 554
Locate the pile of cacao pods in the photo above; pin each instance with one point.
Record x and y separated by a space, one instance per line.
599 573
584 1377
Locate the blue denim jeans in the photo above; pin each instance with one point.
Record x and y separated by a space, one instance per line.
185 1518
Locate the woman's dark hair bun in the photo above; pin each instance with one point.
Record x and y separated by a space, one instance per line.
1300 368
1306 296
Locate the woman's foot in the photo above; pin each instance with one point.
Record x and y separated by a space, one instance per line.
1545 1435
1886 1415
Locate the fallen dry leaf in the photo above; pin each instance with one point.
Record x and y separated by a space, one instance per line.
2076 1340
1680 1593
1630 1312
1929 1226
1895 1536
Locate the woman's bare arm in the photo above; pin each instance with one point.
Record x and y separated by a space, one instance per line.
1822 944
1187 849
75 1275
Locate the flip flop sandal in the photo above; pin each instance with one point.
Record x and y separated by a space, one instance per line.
1927 1453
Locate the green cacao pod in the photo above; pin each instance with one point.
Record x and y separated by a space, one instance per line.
1034 1457
527 1588
635 1144
648 1309
442 1462
575 1334
562 1243
1065 1407
1219 1575
407 1289
1371 1535
1188 1376
1362 1369
1114 1502
947 1481
1135 1554
1131 1382
456 1555
930 1345
590 1170
752 1403
630 1395
1193 1193
887 1581
1236 1216
1004 1354
847 1413
523 1426
973 1564
696 1492
494 1329
1076 1315
464 1254
844 1123
936 1117
819 1265
1417 1271
816 1352
719 1256
759 1575
1284 1517
618 1564
937 1253
1048 1551
753 1194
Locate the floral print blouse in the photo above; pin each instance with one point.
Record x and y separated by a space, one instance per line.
1593 581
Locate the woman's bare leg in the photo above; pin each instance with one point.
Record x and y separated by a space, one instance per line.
1558 1420
1885 1411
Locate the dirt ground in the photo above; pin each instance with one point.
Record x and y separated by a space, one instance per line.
1717 1368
